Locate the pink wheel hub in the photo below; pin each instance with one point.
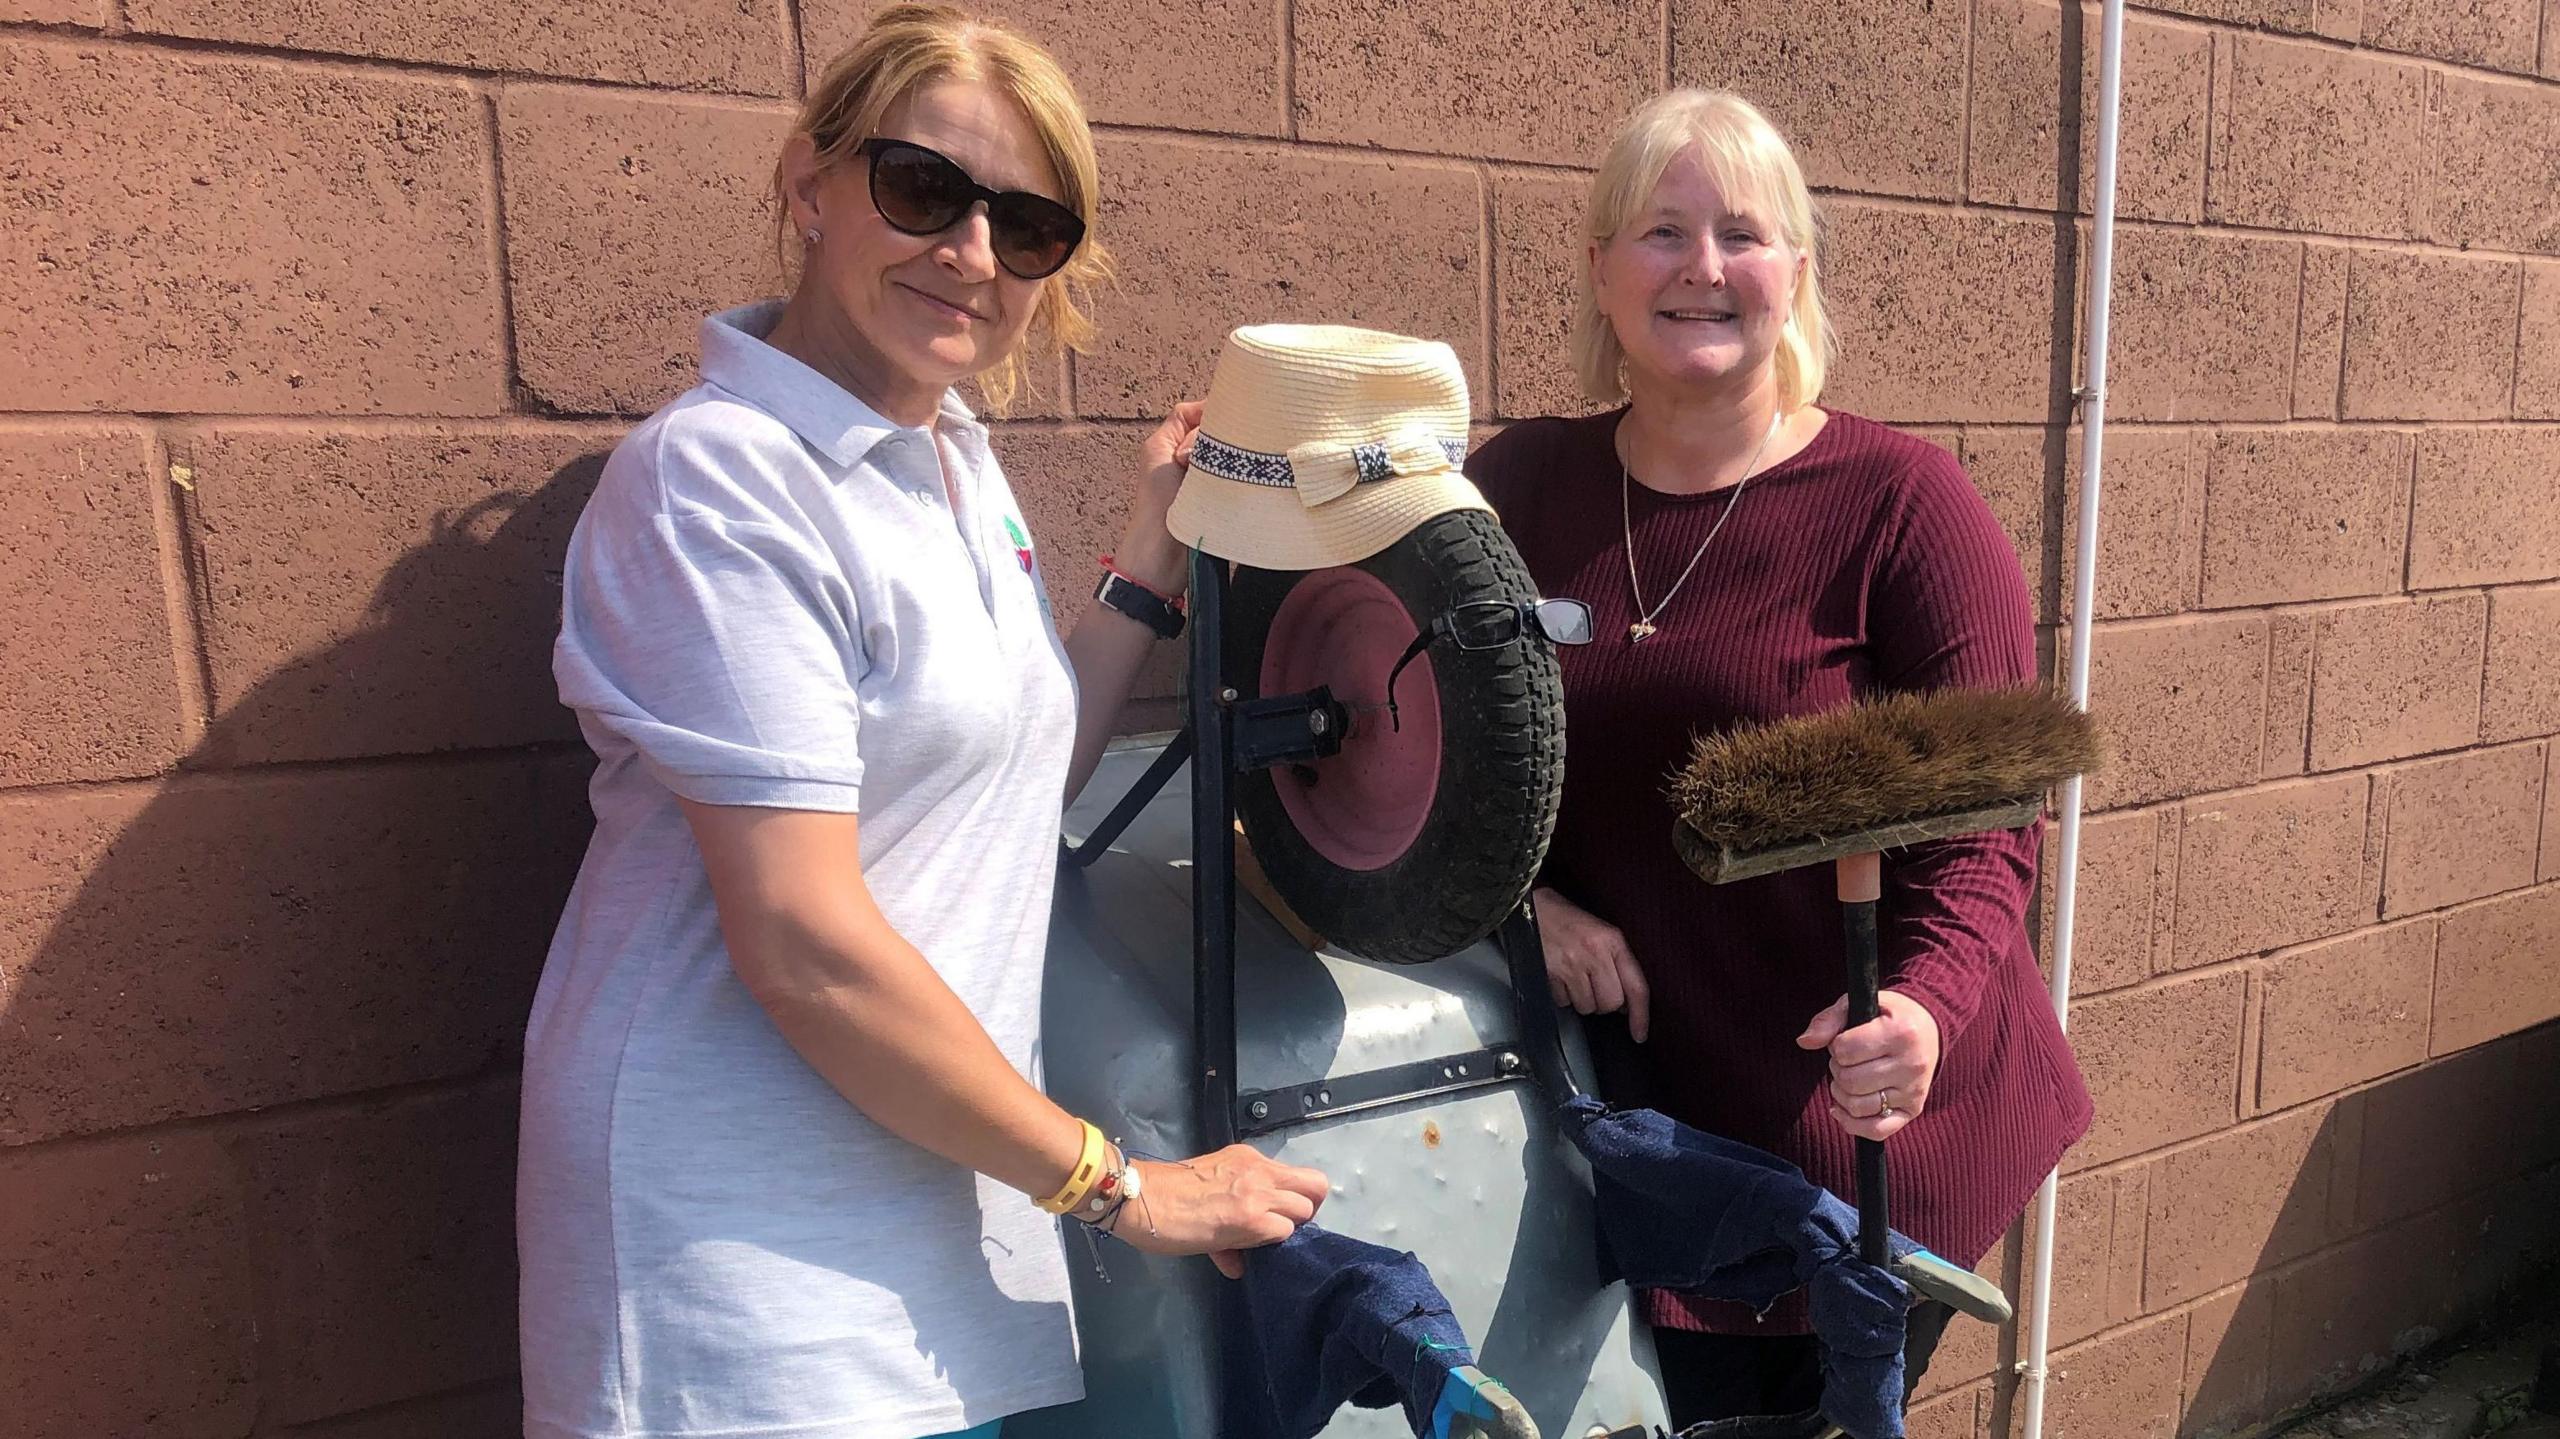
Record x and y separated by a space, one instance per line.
1363 808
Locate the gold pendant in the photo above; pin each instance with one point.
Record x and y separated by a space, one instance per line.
1637 631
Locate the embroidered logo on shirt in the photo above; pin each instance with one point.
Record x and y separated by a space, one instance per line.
1021 543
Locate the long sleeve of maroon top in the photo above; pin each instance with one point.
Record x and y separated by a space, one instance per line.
1864 563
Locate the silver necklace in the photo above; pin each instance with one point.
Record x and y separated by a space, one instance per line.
1644 625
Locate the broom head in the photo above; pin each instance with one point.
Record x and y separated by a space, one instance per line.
1877 774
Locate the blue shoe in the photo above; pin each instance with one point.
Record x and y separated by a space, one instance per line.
1475 1405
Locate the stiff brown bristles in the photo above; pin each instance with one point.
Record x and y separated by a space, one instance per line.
1879 762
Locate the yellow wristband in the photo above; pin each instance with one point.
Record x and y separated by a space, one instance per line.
1080 1182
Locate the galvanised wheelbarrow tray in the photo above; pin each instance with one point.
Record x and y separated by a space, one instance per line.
1180 1020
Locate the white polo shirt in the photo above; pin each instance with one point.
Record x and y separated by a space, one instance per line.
771 601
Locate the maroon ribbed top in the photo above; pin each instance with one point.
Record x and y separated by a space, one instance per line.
1867 562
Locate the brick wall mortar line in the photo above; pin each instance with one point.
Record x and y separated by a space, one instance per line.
795 44
2127 1163
347 66
397 1408
2299 607
2409 533
1230 142
2253 997
1964 100
2240 29
2435 960
2430 121
2346 327
319 422
2480 706
2390 768
2205 229
2543 836
35 30
2214 118
1288 19
2299 424
2188 1306
237 1123
181 585
2302 306
2247 964
2515 366
232 775
2378 795
493 177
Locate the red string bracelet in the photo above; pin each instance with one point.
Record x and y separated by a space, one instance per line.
1172 602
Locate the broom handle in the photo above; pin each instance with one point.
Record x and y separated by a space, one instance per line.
1861 882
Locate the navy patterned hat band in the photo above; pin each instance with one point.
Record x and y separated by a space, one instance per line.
1374 461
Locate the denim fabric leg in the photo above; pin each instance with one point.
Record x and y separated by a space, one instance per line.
1728 1376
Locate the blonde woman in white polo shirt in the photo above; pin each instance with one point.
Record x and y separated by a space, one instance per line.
782 1172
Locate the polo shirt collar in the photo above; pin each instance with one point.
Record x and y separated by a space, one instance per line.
832 419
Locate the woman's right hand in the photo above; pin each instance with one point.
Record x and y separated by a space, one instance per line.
1220 1204
1588 963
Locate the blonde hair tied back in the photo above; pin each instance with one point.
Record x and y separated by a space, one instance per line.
909 46
1752 164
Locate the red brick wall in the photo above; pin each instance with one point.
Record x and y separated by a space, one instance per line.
320 315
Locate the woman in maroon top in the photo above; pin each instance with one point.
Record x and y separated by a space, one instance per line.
1749 555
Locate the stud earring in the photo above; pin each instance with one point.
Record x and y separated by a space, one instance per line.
812 234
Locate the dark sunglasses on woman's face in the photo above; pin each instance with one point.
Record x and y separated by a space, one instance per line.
1489 625
925 192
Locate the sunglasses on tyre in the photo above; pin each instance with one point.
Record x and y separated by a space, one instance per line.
1491 624
925 192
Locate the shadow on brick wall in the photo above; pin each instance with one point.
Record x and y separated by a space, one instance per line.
2213 1285
285 1003
2366 1228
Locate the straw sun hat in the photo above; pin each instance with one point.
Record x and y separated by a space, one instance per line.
1321 445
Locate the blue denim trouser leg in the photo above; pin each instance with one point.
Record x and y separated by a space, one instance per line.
1683 1210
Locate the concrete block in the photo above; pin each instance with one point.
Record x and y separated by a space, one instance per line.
2268 868
2288 695
87 14
2238 1203
2162 1062
2124 1382
2182 703
1389 244
2488 510
2293 515
2549 867
1871 95
1073 481
2009 467
740 46
88 679
171 261
2460 827
2319 353
2310 138
1446 76
2441 1131
602 186
2538 346
1974 345
2016 135
1537 272
2203 326
2227 1350
2396 678
2353 1311
2120 878
2494 970
2498 34
487 1411
2097 1256
2429 337
2335 1015
2154 512
2494 153
2293 15
385 591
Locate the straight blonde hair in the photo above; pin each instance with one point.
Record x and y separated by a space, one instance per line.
909 46
1750 162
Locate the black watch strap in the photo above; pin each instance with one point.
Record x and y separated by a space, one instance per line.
1138 603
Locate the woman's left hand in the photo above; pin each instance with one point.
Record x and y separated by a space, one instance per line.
1148 553
1881 1070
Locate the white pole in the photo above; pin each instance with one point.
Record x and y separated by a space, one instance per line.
2084 589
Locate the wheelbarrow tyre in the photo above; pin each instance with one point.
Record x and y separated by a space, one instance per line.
1500 744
